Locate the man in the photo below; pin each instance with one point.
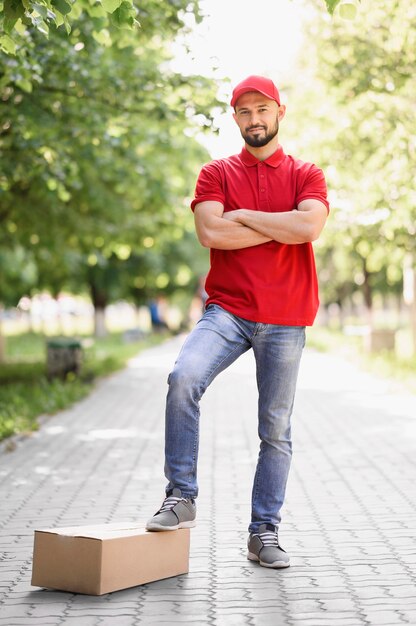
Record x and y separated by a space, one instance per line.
258 212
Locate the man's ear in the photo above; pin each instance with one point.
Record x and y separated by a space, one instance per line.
281 112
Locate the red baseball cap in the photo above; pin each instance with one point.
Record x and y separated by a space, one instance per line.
256 83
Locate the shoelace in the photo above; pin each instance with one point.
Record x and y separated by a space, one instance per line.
169 503
269 538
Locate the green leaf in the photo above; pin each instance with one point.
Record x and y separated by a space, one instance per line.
41 9
8 24
7 44
67 25
331 5
111 5
123 17
103 37
20 27
24 84
13 10
62 6
99 23
59 20
40 25
347 10
96 11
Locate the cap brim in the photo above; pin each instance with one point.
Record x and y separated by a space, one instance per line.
247 89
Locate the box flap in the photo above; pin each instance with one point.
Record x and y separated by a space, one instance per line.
98 531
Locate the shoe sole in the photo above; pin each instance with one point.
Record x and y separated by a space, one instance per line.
275 564
158 527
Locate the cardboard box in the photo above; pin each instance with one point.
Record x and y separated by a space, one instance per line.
107 557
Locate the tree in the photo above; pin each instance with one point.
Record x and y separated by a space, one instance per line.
358 123
114 20
99 149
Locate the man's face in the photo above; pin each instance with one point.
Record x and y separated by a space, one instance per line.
258 118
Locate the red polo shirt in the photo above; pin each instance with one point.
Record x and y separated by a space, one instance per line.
272 283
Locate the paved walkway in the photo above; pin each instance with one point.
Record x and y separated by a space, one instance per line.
349 520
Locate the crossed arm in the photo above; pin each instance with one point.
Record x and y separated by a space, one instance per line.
244 228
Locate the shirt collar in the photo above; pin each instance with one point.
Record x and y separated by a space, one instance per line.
274 160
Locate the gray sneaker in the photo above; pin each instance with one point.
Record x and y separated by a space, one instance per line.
264 548
175 512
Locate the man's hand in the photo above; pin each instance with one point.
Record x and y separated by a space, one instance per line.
236 216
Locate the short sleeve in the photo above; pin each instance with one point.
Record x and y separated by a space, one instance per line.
312 185
210 185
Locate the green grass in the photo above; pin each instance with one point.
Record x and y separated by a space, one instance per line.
387 364
25 391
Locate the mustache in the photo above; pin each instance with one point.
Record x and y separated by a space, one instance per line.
255 128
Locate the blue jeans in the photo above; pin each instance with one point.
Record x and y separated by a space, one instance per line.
218 340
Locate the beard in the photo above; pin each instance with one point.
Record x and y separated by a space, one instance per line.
260 140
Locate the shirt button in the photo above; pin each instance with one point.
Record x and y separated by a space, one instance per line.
262 190
261 175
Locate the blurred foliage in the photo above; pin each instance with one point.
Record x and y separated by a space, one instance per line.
112 21
99 157
353 114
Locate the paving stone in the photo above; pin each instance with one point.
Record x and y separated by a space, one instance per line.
319 595
232 595
232 619
81 621
390 618
306 605
339 604
15 611
118 621
408 615
192 619
26 621
389 603
271 619
403 591
331 580
327 620
371 592
102 611
326 617
46 610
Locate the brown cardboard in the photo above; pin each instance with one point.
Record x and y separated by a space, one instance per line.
108 557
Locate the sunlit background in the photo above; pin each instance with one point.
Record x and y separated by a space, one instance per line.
104 131
235 40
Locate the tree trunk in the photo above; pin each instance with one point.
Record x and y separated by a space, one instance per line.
2 337
100 329
368 293
100 300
